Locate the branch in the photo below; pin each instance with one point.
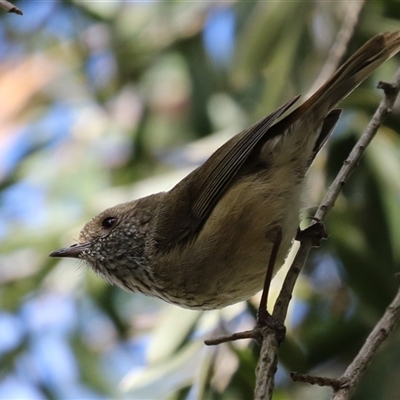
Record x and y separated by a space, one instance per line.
344 386
268 360
364 358
9 7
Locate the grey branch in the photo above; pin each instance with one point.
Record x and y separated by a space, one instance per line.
364 358
9 7
268 360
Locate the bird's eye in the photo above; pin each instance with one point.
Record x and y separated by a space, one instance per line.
108 222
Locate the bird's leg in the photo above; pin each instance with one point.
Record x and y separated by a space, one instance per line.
316 232
264 318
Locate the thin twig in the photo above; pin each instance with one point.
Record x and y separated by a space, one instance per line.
364 358
253 334
9 7
269 352
316 380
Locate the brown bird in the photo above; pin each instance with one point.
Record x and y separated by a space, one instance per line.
207 243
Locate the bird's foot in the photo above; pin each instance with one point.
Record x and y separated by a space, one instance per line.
266 320
317 232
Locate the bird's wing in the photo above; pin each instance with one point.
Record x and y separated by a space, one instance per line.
188 205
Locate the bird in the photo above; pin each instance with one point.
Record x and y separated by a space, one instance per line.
220 234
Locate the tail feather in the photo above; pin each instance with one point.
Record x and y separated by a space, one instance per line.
350 75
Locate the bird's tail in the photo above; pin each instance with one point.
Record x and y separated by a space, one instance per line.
351 74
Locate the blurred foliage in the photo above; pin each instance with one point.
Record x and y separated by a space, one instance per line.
99 103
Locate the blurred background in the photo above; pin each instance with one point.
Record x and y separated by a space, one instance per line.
104 102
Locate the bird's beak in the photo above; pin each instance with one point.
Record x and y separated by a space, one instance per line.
73 251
